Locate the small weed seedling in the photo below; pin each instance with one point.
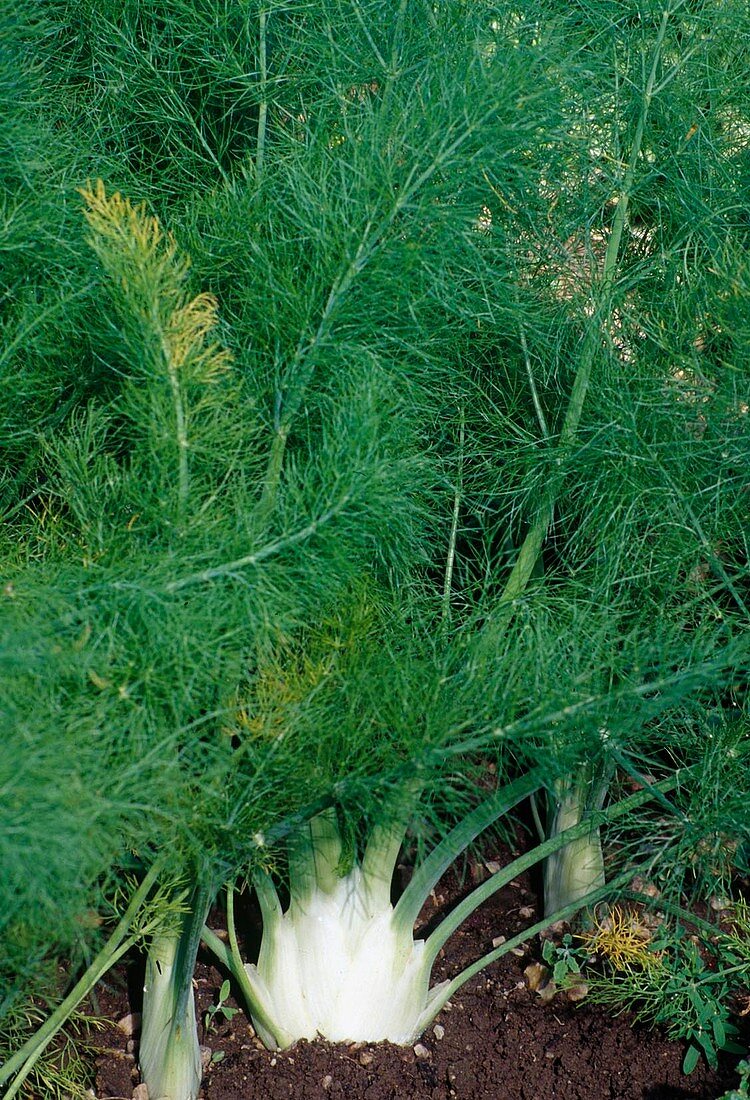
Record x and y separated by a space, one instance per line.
219 1009
564 959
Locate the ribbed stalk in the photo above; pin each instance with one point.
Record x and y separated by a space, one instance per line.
574 871
169 1054
125 936
578 868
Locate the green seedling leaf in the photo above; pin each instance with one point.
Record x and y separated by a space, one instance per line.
720 1034
691 1059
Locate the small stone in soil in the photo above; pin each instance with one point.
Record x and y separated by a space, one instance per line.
438 1031
536 974
140 1092
547 992
327 1081
421 1051
131 1024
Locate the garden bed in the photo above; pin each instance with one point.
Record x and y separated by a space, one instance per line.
497 1040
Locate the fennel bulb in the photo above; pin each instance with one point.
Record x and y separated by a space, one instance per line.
338 965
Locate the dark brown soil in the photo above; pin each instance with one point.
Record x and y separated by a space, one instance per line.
496 1040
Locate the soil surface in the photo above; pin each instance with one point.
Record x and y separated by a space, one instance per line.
497 1040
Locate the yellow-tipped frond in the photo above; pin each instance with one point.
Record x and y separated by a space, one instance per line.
188 328
115 219
623 940
167 333
149 271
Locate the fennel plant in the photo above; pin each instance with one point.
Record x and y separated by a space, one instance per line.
386 415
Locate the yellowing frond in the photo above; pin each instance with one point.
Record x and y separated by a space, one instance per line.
622 940
150 272
188 326
167 333
286 678
115 219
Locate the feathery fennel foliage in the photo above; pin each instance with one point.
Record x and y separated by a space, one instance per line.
384 412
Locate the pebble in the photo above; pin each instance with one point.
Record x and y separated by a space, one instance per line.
140 1092
366 1058
130 1025
498 941
438 1031
536 974
421 1051
327 1081
205 1057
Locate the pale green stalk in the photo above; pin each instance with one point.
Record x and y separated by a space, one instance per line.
429 872
554 844
453 537
263 105
563 914
532 544
169 1055
581 866
181 432
20 1065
